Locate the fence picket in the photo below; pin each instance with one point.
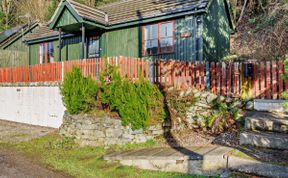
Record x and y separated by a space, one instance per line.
268 80
223 88
280 79
220 78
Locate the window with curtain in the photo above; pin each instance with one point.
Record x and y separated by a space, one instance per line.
41 53
158 38
50 52
46 52
93 47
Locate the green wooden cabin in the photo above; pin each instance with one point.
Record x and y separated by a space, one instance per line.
13 52
167 29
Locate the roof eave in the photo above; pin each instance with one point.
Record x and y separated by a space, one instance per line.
157 18
47 38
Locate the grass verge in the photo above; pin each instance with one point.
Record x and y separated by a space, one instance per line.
63 155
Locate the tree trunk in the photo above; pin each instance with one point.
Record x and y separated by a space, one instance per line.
242 12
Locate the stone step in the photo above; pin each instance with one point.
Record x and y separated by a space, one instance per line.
269 105
264 121
265 139
202 160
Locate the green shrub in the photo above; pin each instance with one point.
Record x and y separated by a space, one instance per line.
138 103
79 92
223 119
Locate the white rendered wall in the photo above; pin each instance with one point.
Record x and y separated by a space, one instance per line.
32 105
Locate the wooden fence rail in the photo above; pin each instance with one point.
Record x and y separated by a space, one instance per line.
234 79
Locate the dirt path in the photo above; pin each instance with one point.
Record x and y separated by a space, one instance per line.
15 165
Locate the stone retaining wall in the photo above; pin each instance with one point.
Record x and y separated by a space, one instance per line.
102 131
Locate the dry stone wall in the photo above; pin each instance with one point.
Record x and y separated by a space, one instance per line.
103 131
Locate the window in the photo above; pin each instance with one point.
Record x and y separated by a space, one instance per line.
46 52
93 47
41 53
158 38
50 52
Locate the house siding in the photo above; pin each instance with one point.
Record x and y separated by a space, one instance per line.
71 50
216 32
33 54
128 42
185 48
124 42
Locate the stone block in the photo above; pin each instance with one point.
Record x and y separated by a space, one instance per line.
269 105
113 133
266 124
267 140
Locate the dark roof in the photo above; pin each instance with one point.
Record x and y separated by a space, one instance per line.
42 32
89 12
8 33
15 33
124 11
130 10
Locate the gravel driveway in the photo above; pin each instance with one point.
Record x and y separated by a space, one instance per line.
15 165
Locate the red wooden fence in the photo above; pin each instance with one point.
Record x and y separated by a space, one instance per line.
226 79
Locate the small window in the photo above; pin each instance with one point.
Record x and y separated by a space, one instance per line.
93 47
46 52
158 38
50 52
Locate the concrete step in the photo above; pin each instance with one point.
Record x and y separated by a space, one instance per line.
269 105
264 121
264 139
202 160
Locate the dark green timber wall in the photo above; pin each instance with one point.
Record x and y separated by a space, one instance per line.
124 42
216 32
128 42
71 50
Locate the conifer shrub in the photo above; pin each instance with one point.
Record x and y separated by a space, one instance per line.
79 92
138 103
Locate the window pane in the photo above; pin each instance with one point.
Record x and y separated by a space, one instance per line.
166 45
41 53
147 32
166 29
154 31
154 46
50 52
93 48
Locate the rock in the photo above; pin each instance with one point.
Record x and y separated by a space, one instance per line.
128 136
113 133
170 89
188 92
158 132
182 93
229 100
197 94
210 98
237 104
139 131
249 105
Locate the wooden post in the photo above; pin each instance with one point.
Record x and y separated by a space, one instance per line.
59 43
83 42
